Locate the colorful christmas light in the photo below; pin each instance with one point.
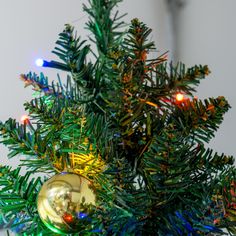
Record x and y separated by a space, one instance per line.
39 62
179 97
24 119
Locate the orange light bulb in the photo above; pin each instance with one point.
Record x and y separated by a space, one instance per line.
179 97
24 119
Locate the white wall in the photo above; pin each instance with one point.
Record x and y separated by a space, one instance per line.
207 35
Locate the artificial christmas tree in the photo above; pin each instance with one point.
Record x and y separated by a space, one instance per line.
122 139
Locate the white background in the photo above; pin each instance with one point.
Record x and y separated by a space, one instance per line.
206 34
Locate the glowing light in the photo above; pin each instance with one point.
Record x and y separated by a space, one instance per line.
39 62
179 97
82 215
68 218
24 119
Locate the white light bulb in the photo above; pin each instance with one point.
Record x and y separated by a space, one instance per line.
39 62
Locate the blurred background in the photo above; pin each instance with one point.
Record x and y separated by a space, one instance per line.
193 31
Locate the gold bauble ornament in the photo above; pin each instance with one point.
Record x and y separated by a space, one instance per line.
64 201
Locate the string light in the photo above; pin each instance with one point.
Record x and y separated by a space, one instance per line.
39 62
179 97
68 218
24 119
82 215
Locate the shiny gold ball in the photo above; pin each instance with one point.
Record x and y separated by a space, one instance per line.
64 201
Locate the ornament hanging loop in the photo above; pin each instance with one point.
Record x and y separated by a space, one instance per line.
66 164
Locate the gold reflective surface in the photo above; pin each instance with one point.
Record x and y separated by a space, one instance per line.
64 200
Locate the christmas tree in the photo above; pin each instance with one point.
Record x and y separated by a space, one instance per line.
120 142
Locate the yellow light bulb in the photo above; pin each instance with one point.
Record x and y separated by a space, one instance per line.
179 97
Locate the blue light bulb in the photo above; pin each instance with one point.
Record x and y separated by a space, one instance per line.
82 215
39 62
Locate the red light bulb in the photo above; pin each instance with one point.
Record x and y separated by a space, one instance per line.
68 218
